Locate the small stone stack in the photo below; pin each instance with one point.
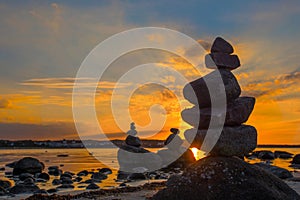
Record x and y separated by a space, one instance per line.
132 157
236 139
175 155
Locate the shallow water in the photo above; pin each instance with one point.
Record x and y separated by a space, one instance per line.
81 159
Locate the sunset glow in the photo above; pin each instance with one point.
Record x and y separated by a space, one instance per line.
43 45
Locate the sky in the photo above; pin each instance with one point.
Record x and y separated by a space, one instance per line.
43 44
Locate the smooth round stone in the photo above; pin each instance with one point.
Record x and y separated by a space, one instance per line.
237 112
222 60
233 141
221 45
220 81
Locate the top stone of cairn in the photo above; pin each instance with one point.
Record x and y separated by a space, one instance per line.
221 46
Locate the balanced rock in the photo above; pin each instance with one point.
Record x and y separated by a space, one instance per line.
28 165
233 140
221 178
133 141
197 91
176 159
221 45
237 112
132 158
222 60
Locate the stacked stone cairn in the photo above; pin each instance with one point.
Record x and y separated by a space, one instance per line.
222 174
133 159
175 155
236 139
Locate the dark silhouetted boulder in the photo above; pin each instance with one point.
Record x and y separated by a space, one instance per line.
266 155
277 171
233 141
5 184
131 158
296 159
176 159
105 171
133 141
283 154
197 91
237 112
221 178
28 165
44 176
24 188
221 45
92 186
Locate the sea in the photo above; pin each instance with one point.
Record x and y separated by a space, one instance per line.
75 160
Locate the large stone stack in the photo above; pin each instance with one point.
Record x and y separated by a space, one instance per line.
236 139
222 175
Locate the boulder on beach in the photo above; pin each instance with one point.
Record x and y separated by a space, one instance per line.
233 140
24 188
283 154
265 155
28 165
296 159
236 113
132 158
221 45
277 171
5 184
221 178
197 91
176 159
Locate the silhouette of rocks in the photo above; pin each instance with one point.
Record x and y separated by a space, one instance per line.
24 188
283 154
225 178
237 112
277 171
28 165
233 141
296 159
197 91
133 141
222 60
131 158
221 45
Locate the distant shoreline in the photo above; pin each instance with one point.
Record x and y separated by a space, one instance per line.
158 146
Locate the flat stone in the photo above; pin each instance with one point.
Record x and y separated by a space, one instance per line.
197 91
225 178
233 140
222 60
221 45
237 112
